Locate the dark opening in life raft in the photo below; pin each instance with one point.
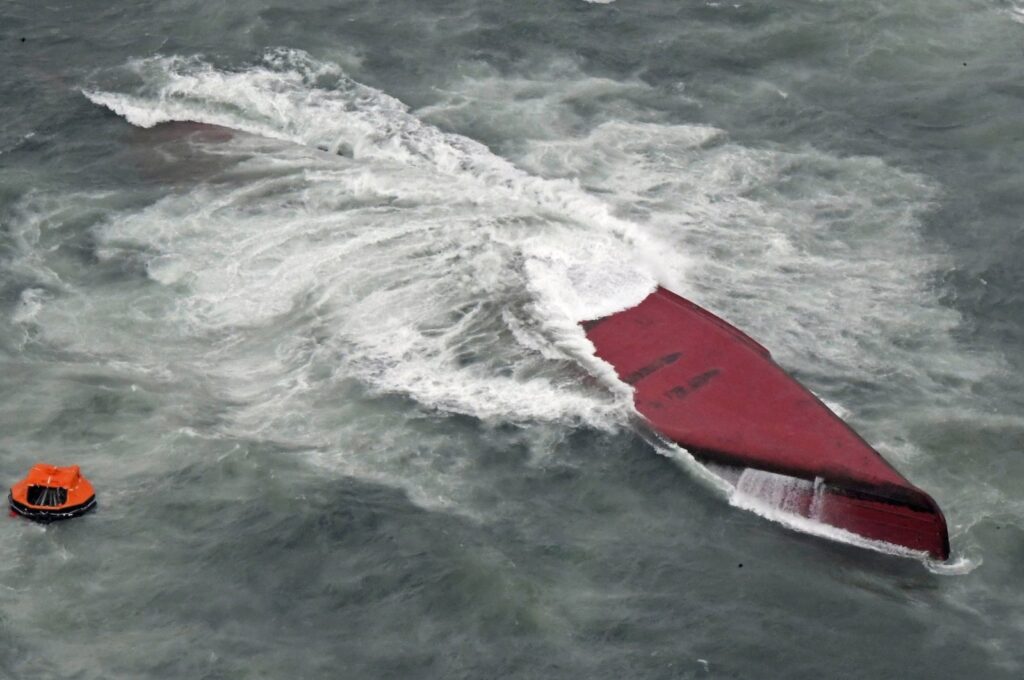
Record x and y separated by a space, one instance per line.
51 493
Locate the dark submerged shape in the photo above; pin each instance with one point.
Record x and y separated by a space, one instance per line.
710 388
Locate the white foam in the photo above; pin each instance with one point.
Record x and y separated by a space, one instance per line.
30 302
778 498
434 268
956 566
442 225
292 97
818 257
774 497
540 104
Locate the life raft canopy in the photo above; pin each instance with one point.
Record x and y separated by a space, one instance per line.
49 493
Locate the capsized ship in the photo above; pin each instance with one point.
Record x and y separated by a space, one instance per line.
708 387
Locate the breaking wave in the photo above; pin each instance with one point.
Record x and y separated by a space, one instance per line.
347 238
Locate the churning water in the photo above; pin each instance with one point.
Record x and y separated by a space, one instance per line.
297 285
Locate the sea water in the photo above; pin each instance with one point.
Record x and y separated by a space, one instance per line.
298 286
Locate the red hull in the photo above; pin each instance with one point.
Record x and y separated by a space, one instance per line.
708 387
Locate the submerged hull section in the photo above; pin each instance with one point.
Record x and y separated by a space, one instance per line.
708 387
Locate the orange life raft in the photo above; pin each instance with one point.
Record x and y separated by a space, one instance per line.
50 493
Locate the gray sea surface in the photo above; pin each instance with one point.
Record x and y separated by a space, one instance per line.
297 284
